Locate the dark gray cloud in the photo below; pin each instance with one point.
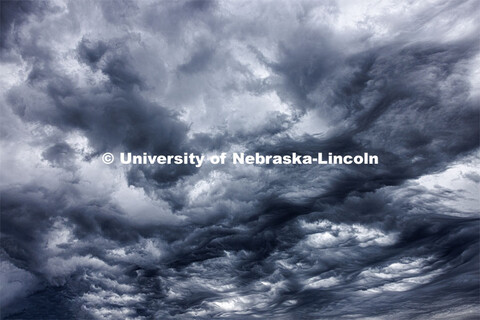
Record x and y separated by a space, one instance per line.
84 240
14 14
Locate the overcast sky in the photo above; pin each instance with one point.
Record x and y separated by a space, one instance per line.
397 240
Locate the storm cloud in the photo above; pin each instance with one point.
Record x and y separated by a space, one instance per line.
81 239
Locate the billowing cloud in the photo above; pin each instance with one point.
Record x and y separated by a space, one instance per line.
81 239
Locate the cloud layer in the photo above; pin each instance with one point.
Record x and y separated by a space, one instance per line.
80 239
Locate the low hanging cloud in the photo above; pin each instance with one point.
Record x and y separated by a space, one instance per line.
81 239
